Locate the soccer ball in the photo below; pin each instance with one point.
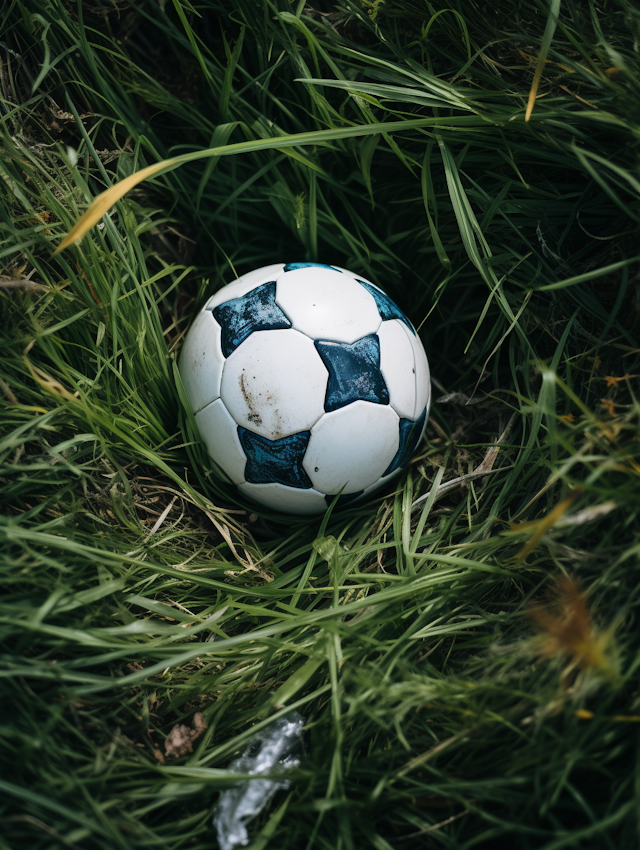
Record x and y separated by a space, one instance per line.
306 381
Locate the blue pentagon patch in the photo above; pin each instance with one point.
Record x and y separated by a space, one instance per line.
387 308
354 372
275 461
255 311
290 267
410 433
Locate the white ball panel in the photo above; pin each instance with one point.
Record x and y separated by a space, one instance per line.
220 435
357 277
423 379
346 271
245 284
275 383
397 364
290 500
381 482
361 278
352 447
325 304
201 361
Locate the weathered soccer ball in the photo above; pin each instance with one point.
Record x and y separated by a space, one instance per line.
306 381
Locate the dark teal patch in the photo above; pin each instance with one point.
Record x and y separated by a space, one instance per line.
275 461
410 433
354 372
387 308
291 267
255 311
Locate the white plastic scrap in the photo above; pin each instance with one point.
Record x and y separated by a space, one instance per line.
270 750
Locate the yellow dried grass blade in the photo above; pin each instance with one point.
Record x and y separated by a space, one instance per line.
543 525
103 202
547 37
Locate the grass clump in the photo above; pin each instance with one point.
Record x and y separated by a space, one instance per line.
463 650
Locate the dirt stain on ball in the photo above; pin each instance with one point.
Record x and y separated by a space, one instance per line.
254 416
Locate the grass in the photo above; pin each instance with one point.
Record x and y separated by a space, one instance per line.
465 649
